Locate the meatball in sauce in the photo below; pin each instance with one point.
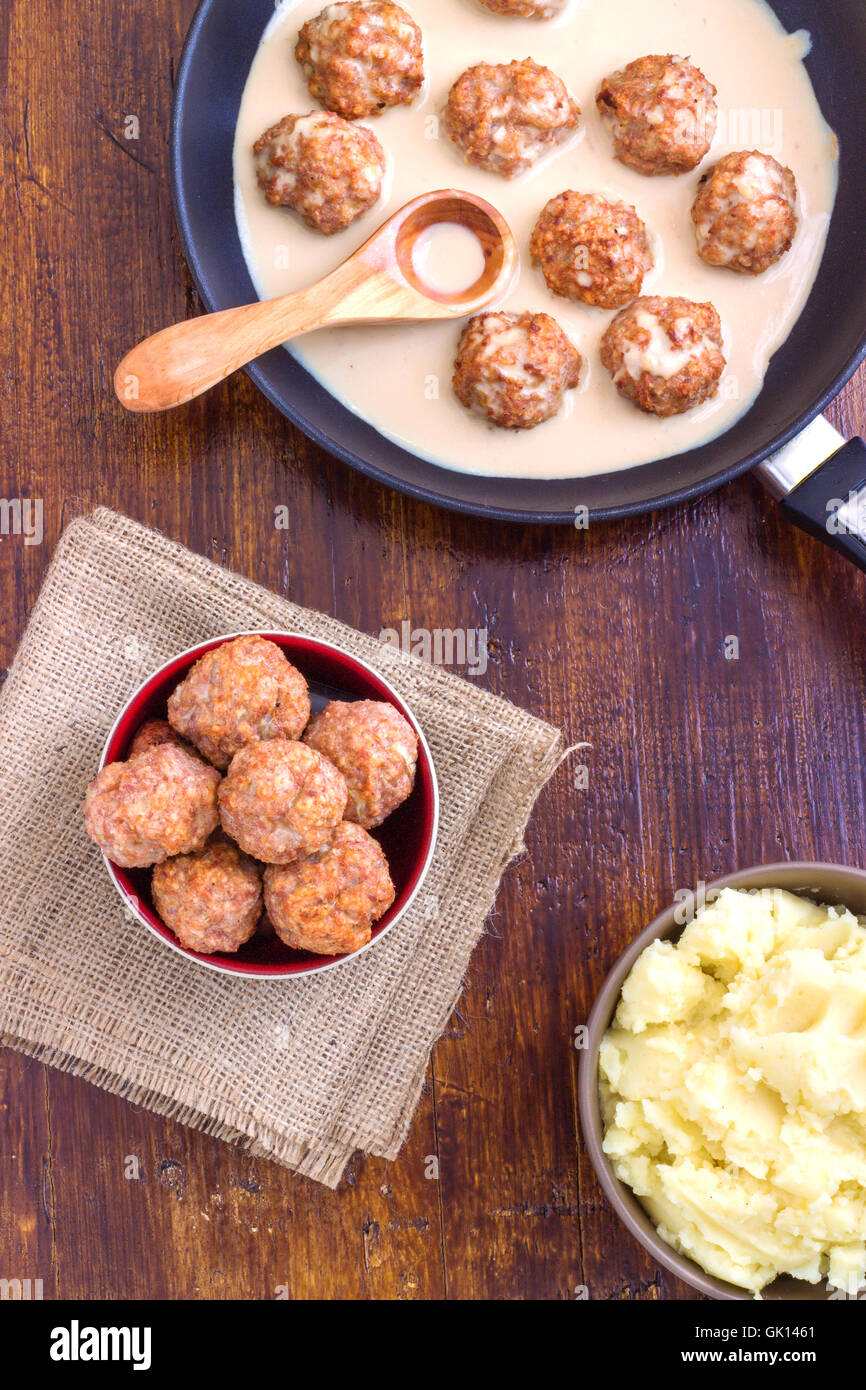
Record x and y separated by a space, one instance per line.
514 369
745 213
360 58
592 249
665 355
661 113
505 117
322 167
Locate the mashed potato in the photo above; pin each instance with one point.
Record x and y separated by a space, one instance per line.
733 1086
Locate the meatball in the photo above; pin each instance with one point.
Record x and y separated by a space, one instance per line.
281 800
151 734
327 903
514 369
211 900
325 169
375 749
163 802
238 692
661 112
526 9
592 249
506 116
665 354
360 58
744 213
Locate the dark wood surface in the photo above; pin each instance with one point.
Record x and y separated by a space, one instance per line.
699 764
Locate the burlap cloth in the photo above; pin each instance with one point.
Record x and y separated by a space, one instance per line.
304 1071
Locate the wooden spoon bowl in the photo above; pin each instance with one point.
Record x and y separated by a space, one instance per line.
378 284
479 217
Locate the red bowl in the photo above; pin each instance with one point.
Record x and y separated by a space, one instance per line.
408 836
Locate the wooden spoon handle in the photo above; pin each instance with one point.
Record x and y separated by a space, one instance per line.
181 362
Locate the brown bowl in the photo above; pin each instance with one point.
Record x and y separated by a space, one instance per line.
824 883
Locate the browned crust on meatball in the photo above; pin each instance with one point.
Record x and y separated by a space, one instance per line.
375 749
506 116
329 902
744 214
211 900
241 691
591 249
360 58
689 329
161 803
526 9
325 169
661 111
281 800
151 734
514 369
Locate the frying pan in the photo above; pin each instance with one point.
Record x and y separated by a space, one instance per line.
808 469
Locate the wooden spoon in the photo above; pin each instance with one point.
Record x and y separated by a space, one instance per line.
378 284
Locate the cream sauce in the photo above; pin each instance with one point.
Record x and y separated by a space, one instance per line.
399 378
448 258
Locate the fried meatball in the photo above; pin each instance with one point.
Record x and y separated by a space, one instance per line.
514 369
506 116
328 902
163 802
661 112
375 749
665 354
151 734
211 900
281 800
744 213
526 9
238 692
360 58
325 169
591 249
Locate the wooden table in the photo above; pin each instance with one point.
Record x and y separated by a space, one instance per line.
699 764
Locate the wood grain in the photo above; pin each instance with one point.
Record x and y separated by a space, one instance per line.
698 764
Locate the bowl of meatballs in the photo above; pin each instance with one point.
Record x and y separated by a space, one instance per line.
266 804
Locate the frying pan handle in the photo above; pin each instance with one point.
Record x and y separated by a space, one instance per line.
819 481
831 502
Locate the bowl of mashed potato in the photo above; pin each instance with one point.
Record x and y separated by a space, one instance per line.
723 1086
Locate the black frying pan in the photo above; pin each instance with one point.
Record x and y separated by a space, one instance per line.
827 345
